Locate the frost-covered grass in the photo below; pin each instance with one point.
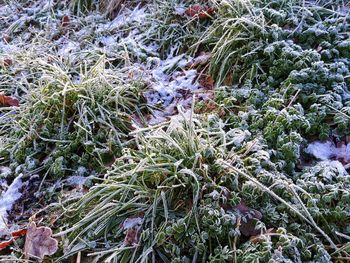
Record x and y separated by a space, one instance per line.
137 158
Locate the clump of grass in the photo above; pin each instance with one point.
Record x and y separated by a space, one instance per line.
82 6
183 183
73 119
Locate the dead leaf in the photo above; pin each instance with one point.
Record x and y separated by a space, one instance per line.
6 244
19 233
133 227
6 38
202 59
7 62
198 11
15 235
8 101
65 21
206 81
251 216
39 242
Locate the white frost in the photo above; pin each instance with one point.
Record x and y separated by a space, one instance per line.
321 150
328 150
132 222
4 172
7 200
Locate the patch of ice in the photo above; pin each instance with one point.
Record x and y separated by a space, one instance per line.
108 40
68 48
169 80
132 222
8 49
76 180
343 152
328 150
7 200
4 172
337 165
127 16
321 150
81 171
180 10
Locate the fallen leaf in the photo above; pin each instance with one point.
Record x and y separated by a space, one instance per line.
6 244
8 101
133 228
199 11
260 238
65 21
206 81
39 242
15 235
202 59
7 62
247 227
6 38
19 233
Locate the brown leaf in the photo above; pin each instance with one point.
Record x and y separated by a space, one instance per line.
260 238
6 38
133 227
8 62
39 242
206 81
8 101
199 11
347 139
202 59
247 227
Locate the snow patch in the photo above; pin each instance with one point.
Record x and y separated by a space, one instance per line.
4 172
127 16
321 150
336 165
328 150
7 200
132 222
68 48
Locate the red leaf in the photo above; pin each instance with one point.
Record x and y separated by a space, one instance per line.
15 235
8 101
65 21
6 244
19 233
